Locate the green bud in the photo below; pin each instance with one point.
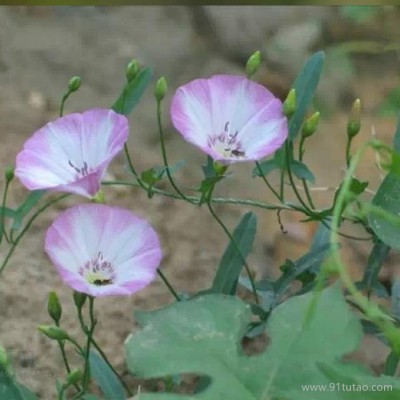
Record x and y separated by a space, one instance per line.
79 299
161 89
219 168
9 173
53 332
4 361
99 197
74 83
289 105
253 63
354 122
74 377
310 125
132 70
54 307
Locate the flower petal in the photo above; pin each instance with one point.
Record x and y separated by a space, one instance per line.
125 244
62 153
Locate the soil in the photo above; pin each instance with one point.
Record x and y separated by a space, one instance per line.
40 49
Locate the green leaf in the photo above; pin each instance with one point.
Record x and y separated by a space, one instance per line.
266 167
376 258
305 84
203 336
105 378
309 262
12 390
132 92
396 139
231 264
301 171
358 385
387 198
29 203
396 298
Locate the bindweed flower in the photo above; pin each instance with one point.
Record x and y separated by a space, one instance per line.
72 153
230 118
102 250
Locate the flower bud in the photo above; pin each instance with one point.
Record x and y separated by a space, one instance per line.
9 173
310 125
253 63
161 89
289 106
53 332
74 83
79 299
54 307
132 70
219 168
74 377
354 123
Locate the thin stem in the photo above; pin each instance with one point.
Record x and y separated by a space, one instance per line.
164 154
89 333
292 181
348 148
232 240
267 182
103 355
169 286
27 226
304 182
3 211
63 100
132 168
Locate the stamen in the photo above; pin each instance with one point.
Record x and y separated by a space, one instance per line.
84 171
98 271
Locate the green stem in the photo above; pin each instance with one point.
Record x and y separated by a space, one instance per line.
63 100
132 168
27 226
164 154
236 247
2 216
304 182
169 286
348 148
308 211
267 182
89 333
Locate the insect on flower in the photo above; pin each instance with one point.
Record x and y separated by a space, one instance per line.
102 250
72 153
230 118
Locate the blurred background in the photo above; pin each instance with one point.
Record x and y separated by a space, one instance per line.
42 47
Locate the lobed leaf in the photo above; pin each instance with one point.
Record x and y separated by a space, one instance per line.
203 336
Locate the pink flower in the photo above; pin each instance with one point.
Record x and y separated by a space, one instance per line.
102 250
72 153
229 117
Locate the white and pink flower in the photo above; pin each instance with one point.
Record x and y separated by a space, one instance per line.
230 118
102 250
72 153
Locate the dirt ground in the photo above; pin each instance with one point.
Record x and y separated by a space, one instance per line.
41 48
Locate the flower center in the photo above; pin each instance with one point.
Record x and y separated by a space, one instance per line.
81 172
98 271
227 143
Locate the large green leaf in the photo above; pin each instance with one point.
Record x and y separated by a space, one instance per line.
203 336
109 383
387 197
305 84
231 264
12 390
132 92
